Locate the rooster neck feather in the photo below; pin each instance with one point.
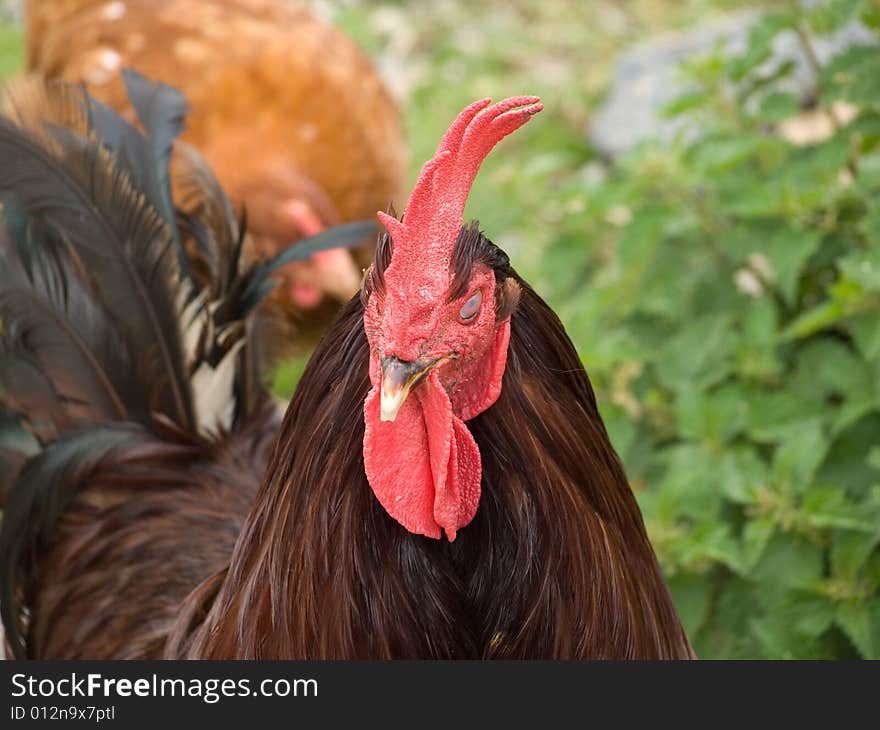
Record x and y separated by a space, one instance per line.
556 563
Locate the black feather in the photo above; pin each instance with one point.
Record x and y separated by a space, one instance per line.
53 319
17 445
162 110
26 389
76 189
15 436
207 221
41 106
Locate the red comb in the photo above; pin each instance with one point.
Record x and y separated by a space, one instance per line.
436 206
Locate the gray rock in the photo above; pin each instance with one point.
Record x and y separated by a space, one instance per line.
646 78
12 11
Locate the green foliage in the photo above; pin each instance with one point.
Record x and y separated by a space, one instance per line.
728 310
287 375
11 50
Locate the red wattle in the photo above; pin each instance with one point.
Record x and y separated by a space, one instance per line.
424 467
456 502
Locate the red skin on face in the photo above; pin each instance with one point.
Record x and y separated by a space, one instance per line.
424 466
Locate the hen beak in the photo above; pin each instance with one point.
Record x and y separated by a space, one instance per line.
398 379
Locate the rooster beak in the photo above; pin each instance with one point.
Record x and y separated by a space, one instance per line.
398 379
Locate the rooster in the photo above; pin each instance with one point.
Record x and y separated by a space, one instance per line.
441 485
322 134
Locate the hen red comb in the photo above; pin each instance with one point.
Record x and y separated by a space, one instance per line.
434 212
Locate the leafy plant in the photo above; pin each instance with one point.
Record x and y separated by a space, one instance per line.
728 310
11 49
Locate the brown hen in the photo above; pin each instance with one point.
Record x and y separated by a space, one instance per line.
290 114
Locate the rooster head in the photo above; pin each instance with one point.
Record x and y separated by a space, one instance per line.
437 319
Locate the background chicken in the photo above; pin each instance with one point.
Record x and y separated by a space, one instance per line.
445 400
290 114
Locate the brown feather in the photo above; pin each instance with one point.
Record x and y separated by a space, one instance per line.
143 530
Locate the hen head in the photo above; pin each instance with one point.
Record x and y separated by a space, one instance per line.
284 206
437 319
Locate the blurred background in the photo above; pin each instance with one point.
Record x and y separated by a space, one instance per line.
699 203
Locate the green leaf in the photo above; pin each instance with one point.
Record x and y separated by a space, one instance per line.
826 507
798 457
742 474
756 534
756 354
861 623
777 106
716 416
830 371
698 356
788 561
871 15
831 15
867 127
781 639
683 490
760 43
687 102
711 542
829 366
854 76
775 414
863 269
788 247
287 375
692 596
820 317
12 50
784 245
726 633
622 430
850 551
846 462
807 613
848 299
724 290
723 154
869 225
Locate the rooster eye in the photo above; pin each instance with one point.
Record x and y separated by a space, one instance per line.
471 308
